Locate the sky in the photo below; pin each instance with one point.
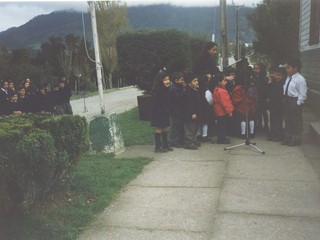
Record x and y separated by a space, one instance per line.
17 13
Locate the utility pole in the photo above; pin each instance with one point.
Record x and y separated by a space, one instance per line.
223 33
237 50
97 53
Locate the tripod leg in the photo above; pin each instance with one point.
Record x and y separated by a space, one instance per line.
238 145
255 147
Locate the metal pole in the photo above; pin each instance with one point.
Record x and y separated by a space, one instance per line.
223 31
97 54
237 52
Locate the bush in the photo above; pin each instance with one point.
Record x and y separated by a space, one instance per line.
37 153
142 54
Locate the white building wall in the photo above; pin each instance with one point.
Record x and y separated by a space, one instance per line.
305 10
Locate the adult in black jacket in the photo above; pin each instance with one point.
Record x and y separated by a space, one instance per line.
160 111
206 63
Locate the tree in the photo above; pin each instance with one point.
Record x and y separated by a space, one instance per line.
276 24
111 20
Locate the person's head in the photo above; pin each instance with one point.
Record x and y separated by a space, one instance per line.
61 84
26 84
42 90
259 69
192 80
221 80
230 71
279 74
293 66
13 97
211 48
178 78
10 85
5 84
161 80
22 92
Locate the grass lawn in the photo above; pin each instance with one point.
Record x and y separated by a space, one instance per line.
97 180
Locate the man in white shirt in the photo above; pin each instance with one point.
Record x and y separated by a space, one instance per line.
295 93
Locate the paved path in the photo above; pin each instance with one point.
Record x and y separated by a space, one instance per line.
117 101
213 194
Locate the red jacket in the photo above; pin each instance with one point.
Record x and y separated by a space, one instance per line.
244 100
222 104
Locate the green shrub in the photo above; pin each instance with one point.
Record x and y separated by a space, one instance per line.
37 153
143 53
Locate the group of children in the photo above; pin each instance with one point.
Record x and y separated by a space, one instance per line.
29 99
235 102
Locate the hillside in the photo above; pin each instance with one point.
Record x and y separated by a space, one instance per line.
203 21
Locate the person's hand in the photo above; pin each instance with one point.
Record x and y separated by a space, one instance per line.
230 114
194 116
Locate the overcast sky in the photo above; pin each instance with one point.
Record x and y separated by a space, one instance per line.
17 13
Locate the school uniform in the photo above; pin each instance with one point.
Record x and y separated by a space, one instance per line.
295 93
275 95
191 106
176 117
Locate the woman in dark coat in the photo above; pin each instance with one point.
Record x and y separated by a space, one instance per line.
160 111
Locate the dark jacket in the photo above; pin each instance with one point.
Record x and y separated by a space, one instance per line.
160 108
40 103
275 94
191 103
175 100
11 107
206 64
64 95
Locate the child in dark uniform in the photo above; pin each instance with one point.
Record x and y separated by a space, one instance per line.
160 111
191 111
275 95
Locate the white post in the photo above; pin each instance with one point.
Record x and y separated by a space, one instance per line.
97 54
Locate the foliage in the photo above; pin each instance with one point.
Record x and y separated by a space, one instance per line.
142 54
276 23
97 180
37 154
111 20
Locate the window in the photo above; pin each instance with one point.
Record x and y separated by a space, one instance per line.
314 22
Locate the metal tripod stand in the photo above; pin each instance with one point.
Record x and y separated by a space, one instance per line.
247 141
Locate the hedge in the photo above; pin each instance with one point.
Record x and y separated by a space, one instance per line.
37 154
141 54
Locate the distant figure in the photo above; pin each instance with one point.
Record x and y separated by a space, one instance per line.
64 95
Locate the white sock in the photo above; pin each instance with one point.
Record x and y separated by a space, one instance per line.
243 128
205 130
251 124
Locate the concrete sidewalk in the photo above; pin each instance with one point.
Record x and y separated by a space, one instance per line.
212 193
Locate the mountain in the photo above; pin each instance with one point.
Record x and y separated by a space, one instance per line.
203 21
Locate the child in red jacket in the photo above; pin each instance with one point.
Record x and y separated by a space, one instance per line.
223 109
245 102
